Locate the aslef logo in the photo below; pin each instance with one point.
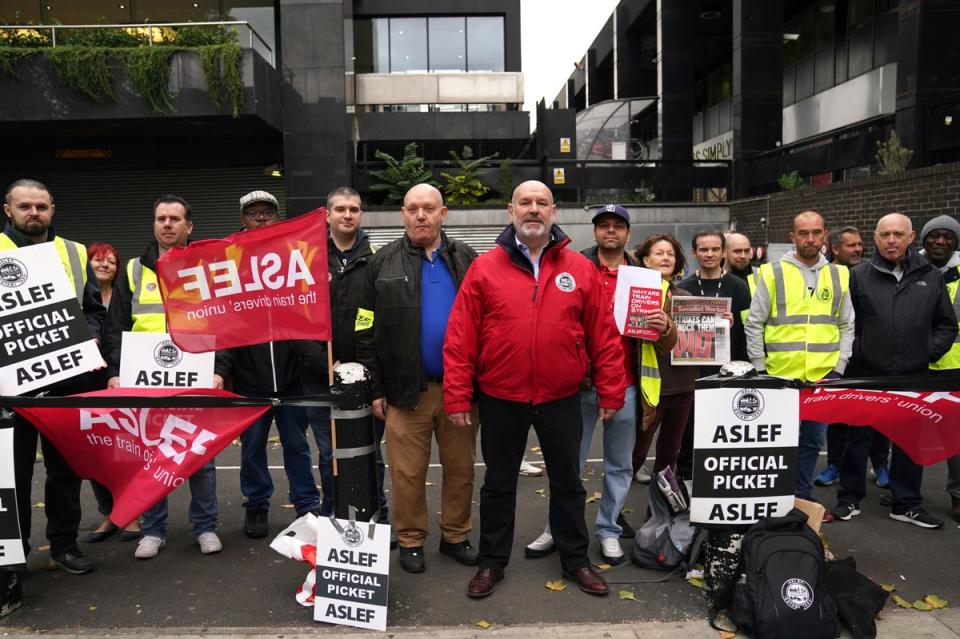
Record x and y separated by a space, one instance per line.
167 354
748 404
797 594
12 272
352 536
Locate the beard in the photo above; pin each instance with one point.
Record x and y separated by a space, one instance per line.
31 229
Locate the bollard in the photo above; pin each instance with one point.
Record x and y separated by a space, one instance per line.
355 478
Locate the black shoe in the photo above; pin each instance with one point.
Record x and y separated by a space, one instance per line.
462 552
626 530
131 535
73 561
96 536
411 559
918 517
886 500
11 595
255 523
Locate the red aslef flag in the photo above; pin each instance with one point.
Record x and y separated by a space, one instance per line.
141 454
261 285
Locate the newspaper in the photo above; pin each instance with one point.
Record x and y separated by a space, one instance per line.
703 335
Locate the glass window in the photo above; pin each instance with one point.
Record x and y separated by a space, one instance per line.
371 45
188 11
860 50
448 44
791 49
825 24
807 29
20 12
859 12
408 45
260 15
87 12
485 44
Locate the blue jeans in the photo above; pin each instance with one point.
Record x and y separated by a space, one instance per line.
813 435
619 434
319 419
255 481
203 505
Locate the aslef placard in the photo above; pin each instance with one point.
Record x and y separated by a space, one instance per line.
11 547
744 454
152 360
44 337
353 573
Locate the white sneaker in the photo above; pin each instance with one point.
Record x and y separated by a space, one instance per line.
209 543
149 546
642 476
611 550
529 470
540 547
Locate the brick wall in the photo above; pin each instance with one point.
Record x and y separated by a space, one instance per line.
921 194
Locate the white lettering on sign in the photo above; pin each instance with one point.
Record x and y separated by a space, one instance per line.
170 442
264 271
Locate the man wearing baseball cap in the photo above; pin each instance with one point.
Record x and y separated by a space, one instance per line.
611 230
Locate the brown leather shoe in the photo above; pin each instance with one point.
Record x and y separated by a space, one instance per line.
956 508
483 582
588 581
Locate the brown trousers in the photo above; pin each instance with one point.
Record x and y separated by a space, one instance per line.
409 437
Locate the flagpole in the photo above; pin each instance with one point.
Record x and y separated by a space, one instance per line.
333 422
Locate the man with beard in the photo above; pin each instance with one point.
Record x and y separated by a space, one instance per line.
939 239
800 326
737 259
529 317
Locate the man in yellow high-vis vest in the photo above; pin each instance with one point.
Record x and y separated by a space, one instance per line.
137 306
939 238
28 206
800 326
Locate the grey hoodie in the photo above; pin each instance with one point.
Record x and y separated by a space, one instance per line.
760 311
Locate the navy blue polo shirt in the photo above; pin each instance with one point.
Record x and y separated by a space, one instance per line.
437 292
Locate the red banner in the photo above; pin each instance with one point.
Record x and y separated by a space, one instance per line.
141 454
261 285
926 425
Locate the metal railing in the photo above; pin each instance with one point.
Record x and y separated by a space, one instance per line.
53 28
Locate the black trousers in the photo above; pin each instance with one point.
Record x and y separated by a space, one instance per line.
504 426
837 440
61 489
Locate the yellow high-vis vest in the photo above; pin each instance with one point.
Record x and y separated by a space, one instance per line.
951 360
752 283
73 256
146 305
802 333
649 369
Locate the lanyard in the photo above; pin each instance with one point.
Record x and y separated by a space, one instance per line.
700 284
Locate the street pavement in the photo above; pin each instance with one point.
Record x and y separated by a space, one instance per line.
248 589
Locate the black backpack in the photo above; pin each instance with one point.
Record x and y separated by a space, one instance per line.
781 594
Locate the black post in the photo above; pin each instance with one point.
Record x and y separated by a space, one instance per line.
355 478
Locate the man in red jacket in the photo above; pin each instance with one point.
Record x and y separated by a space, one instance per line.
527 319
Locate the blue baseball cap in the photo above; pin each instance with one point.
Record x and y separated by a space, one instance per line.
612 209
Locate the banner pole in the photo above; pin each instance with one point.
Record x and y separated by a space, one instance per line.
333 422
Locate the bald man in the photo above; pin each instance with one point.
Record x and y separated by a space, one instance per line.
405 300
737 257
904 321
800 326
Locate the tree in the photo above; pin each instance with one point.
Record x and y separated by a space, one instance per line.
892 156
402 174
466 187
791 181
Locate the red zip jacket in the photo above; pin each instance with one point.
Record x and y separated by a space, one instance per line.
527 340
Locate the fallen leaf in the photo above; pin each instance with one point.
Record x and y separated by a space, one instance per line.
696 582
888 587
603 566
594 497
483 624
287 506
45 548
542 492
626 510
39 504
556 586
430 483
274 440
627 594
935 601
92 608
726 634
535 449
921 605
900 601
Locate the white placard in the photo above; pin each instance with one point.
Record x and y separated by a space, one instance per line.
744 454
152 360
44 336
11 546
353 573
630 280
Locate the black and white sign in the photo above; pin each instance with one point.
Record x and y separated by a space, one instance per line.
152 360
353 573
43 335
11 548
744 454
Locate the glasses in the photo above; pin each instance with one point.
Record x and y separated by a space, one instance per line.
267 212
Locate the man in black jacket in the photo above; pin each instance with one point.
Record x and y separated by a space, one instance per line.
904 322
407 294
269 370
348 253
